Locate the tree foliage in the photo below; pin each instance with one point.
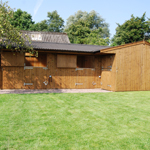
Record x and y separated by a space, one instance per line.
133 30
40 26
87 28
80 33
54 23
21 20
10 36
93 19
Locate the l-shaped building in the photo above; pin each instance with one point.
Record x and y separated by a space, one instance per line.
62 65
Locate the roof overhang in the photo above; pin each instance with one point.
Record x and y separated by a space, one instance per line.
123 46
67 47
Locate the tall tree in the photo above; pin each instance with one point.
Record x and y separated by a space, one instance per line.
10 36
94 20
87 28
133 30
21 20
55 22
40 26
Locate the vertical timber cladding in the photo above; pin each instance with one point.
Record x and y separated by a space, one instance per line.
15 74
130 68
35 72
108 72
70 77
146 68
86 78
35 78
59 75
61 78
13 68
86 72
13 78
97 77
0 73
133 68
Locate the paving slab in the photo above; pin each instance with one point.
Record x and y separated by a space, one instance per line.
24 91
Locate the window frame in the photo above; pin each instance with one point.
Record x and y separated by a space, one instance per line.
36 61
84 58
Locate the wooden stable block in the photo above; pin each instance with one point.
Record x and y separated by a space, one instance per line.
121 68
131 66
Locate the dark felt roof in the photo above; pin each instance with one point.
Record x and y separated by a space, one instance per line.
48 46
54 41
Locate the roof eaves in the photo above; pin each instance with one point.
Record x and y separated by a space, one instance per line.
66 50
125 45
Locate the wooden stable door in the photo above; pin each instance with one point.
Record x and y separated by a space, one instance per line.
36 78
85 78
106 80
0 74
106 72
0 78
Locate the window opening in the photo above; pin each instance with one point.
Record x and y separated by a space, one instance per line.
32 60
85 61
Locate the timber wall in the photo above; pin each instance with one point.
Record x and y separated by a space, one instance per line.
0 73
132 68
129 71
15 76
108 72
0 78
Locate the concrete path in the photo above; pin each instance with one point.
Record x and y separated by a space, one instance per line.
23 91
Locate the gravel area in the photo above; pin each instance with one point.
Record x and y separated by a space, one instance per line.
23 91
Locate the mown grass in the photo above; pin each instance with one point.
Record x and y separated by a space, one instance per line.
75 121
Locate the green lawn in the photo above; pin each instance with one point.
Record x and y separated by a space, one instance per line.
119 120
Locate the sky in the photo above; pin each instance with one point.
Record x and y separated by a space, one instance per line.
113 11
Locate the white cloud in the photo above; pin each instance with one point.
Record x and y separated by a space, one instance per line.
37 6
